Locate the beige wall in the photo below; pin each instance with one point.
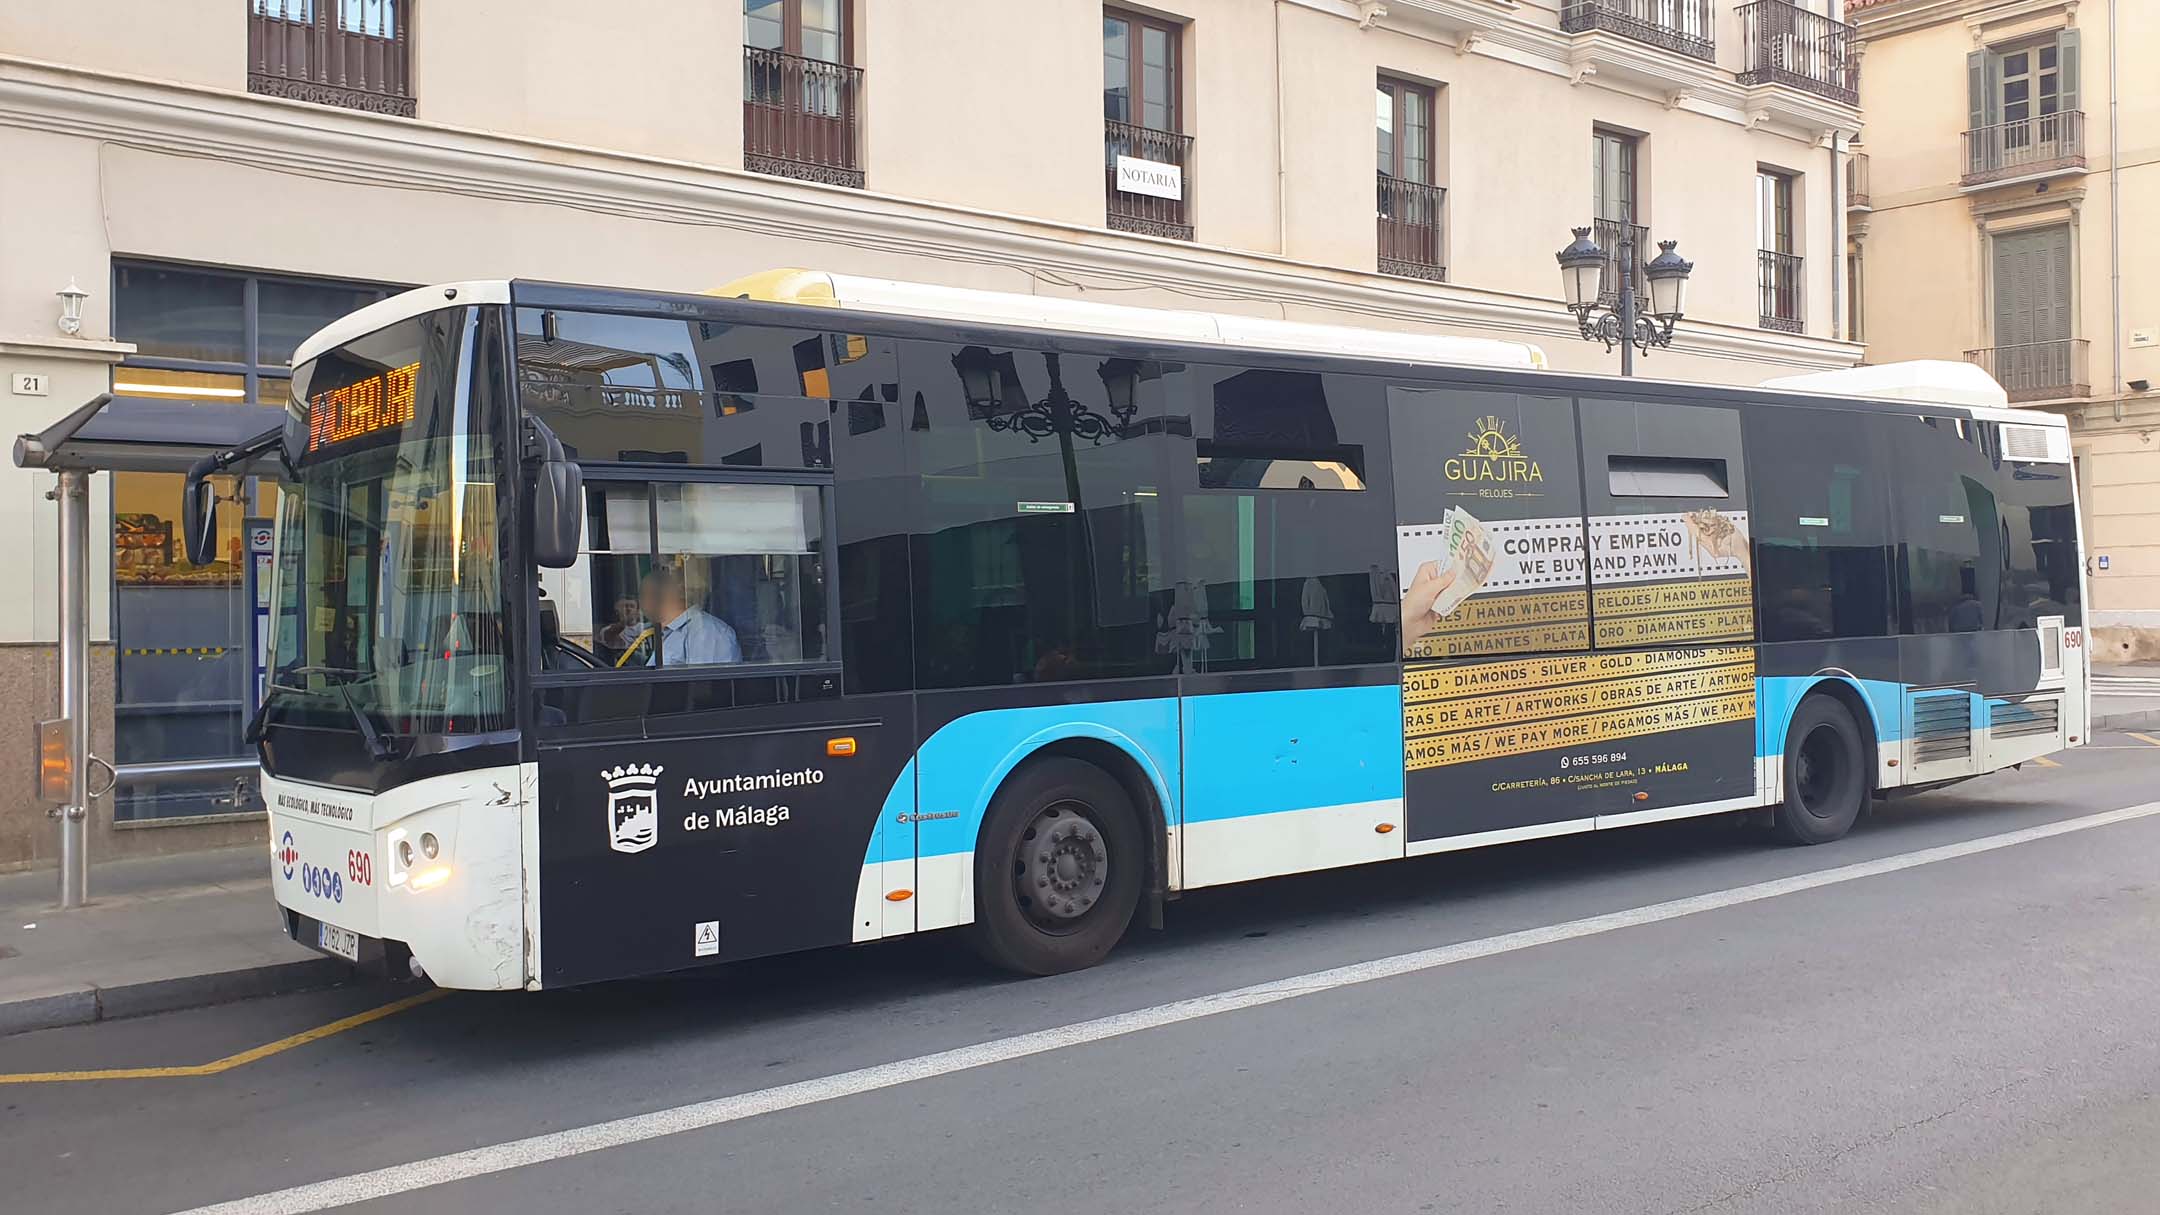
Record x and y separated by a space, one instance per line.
1926 247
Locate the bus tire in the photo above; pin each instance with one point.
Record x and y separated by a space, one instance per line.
1059 869
1826 773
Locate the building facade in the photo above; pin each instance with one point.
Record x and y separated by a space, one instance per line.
2001 213
220 176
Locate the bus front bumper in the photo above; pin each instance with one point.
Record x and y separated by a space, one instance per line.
429 871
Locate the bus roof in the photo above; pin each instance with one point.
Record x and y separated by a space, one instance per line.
1009 309
1923 381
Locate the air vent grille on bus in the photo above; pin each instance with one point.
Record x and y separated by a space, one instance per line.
2023 720
1942 727
2025 442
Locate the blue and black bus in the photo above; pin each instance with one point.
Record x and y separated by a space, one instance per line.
618 632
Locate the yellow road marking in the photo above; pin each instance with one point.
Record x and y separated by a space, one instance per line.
2045 762
232 1061
2143 738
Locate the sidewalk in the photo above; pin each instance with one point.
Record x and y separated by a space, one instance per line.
159 934
2126 695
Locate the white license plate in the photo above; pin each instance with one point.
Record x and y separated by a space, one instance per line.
343 942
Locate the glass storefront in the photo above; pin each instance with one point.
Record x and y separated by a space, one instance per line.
185 676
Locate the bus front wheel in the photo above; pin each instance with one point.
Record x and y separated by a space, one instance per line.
1059 868
1826 773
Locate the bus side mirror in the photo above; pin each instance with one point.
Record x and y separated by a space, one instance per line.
558 497
558 513
198 515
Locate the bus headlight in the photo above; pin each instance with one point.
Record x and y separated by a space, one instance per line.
430 877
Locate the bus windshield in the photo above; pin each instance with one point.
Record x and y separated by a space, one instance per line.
387 592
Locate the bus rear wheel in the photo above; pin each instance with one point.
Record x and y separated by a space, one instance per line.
1059 868
1826 773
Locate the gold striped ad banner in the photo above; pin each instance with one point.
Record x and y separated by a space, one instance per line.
1509 708
1722 624
1422 684
1570 635
1476 744
1674 597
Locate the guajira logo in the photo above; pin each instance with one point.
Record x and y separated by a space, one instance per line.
1493 455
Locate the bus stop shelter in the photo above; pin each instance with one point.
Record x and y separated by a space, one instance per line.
108 433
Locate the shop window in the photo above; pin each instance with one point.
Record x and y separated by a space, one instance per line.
185 672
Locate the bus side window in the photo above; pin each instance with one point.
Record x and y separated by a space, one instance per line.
1821 524
740 574
1952 560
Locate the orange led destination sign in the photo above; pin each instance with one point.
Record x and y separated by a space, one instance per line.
378 402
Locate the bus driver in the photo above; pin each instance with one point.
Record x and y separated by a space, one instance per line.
688 635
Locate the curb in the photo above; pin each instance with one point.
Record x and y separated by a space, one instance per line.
93 1004
2142 719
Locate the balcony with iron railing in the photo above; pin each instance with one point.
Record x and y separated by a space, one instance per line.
1608 233
1685 27
1857 197
2027 149
2038 371
351 53
1153 201
1788 45
1412 238
1779 278
802 118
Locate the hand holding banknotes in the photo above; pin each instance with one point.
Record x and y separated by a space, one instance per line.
1420 602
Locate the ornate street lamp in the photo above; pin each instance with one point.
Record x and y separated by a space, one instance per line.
1582 270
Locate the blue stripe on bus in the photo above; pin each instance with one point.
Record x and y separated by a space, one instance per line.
1776 696
899 800
1252 753
1247 753
960 767
1266 752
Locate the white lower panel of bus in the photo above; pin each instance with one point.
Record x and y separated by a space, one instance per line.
464 912
1224 850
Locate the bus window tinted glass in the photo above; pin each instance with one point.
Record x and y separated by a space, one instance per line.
2039 535
1039 550
666 390
1273 576
1952 559
741 574
1821 523
597 600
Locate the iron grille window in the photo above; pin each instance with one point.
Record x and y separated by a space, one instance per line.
351 53
1778 264
1143 127
802 96
1410 207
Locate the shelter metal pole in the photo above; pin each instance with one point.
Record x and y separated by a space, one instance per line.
73 496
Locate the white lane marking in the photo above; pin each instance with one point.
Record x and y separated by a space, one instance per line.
559 1145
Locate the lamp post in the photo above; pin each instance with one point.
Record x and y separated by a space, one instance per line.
1582 269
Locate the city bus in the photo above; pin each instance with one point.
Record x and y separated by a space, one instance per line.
617 633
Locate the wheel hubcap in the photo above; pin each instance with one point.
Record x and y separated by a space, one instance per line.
1062 867
1818 768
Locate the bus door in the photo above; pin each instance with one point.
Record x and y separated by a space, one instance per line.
1499 706
1283 624
1670 727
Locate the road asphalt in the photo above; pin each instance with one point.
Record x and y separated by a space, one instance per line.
1949 1030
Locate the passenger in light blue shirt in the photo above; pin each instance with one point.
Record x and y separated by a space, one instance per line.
688 636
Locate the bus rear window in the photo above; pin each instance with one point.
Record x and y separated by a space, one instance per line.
1665 477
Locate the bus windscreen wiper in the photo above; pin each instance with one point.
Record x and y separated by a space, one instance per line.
377 745
350 673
